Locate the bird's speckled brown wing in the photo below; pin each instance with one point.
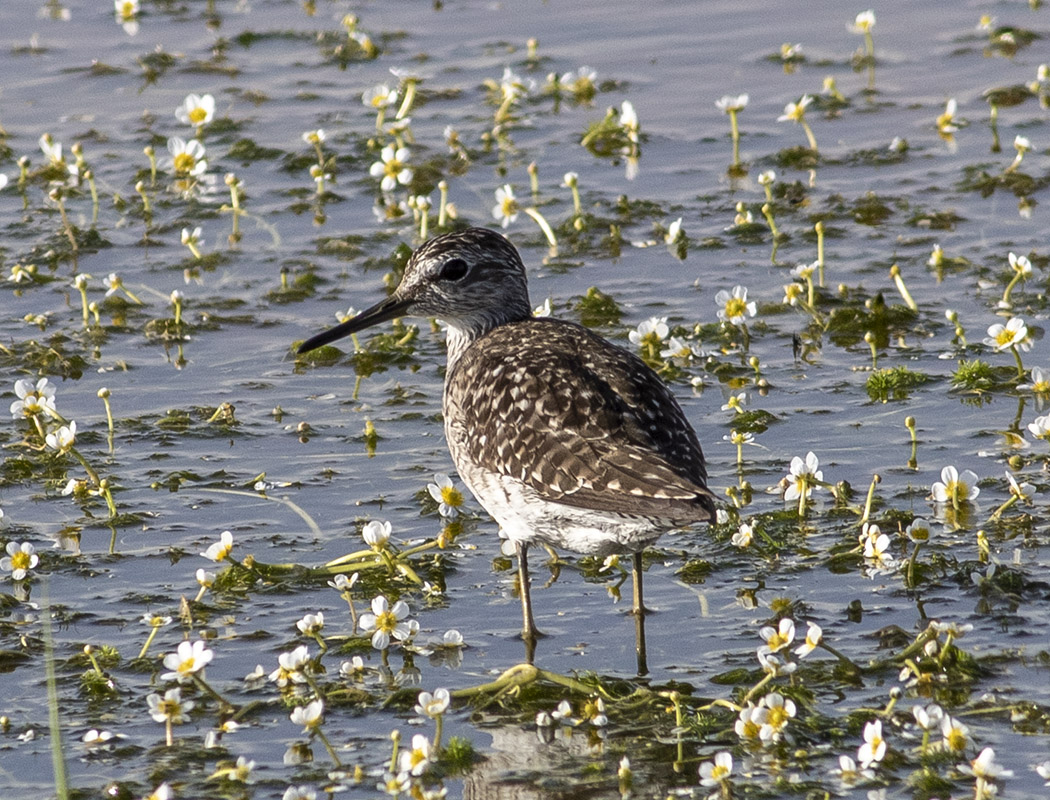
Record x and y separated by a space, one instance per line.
577 419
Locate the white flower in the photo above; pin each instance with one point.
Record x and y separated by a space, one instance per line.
984 767
954 487
187 158
1040 381
848 772
221 549
1020 264
918 531
947 123
64 438
733 306
652 328
299 793
19 560
291 667
341 583
1002 337
864 22
506 208
386 621
196 110
309 716
802 476
773 665
392 168
452 638
674 231
1044 771
446 495
736 403
794 112
715 772
32 399
1022 491
433 705
629 120
814 634
776 639
187 659
929 717
562 712
311 624
681 351
514 86
744 536
170 707
874 748
125 9
730 103
376 534
749 722
380 96
876 545
416 759
52 150
779 710
954 734
1040 427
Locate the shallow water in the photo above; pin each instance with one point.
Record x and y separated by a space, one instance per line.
271 69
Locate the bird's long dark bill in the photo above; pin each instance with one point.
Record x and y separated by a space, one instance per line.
388 309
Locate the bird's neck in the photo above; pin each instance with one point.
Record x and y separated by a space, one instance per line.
463 333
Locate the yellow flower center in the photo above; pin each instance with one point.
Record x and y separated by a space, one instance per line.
184 162
719 773
777 717
386 622
751 730
393 168
21 560
957 491
776 642
198 115
186 667
1004 337
451 496
956 740
735 307
127 10
509 206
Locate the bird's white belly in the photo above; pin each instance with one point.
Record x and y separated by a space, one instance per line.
526 517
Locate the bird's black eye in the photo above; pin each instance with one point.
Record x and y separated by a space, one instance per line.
453 269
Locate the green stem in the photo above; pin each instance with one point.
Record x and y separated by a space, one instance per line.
1017 358
735 133
809 135
149 640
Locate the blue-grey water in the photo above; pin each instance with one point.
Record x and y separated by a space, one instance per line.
69 70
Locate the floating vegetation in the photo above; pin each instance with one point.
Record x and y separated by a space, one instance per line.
230 571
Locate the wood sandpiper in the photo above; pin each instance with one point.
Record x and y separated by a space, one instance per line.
564 438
